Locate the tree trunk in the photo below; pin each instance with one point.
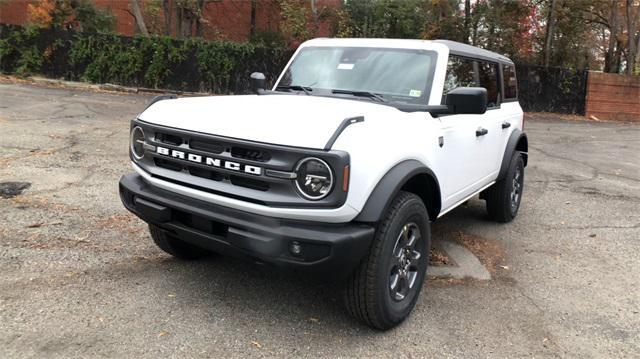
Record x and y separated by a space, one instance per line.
166 10
137 13
314 16
254 8
197 18
638 49
617 56
613 36
467 20
548 39
631 38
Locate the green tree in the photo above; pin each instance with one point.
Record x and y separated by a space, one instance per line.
80 15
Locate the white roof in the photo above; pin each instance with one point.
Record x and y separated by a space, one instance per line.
453 47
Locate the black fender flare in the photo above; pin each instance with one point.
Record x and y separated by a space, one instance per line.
389 186
512 144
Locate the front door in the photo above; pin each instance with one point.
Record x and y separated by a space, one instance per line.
470 143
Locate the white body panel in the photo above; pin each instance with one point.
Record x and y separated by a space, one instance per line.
464 165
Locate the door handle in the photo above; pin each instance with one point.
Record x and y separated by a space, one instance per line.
481 131
506 124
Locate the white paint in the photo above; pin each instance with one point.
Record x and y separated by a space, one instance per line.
463 166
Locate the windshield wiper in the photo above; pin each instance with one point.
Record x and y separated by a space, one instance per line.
368 94
307 90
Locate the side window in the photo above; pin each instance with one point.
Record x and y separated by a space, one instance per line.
509 82
460 73
488 74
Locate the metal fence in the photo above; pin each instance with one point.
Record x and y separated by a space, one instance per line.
551 89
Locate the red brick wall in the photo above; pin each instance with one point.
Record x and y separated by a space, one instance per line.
13 12
230 18
613 97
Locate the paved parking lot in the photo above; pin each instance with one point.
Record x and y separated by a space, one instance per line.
80 277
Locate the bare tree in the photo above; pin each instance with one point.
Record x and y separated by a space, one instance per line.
632 45
467 20
167 13
137 14
254 5
613 35
189 17
548 39
314 12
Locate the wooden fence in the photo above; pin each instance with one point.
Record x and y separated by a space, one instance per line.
613 97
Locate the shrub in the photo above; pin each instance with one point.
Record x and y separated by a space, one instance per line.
156 62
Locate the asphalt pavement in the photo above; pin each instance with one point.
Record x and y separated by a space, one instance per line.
80 276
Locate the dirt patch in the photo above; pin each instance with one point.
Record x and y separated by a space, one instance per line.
490 252
41 202
439 257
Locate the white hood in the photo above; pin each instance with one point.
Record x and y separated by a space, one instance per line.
291 120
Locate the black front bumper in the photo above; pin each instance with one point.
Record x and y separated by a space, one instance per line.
326 248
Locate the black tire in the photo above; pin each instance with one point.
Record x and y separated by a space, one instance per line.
174 246
369 296
504 197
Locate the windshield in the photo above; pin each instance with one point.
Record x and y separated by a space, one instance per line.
382 74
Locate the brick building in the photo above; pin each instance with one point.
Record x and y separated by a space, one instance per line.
228 19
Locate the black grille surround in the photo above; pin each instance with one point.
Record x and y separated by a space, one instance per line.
259 189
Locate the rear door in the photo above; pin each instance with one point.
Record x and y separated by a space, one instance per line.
490 145
510 105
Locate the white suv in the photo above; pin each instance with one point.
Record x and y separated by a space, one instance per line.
340 168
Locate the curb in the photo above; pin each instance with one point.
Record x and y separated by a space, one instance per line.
109 87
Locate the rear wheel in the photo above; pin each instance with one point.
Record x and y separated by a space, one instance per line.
384 288
503 198
175 246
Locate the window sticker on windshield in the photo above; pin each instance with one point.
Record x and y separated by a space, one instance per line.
345 66
415 93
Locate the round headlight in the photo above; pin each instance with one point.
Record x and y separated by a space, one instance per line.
137 142
314 178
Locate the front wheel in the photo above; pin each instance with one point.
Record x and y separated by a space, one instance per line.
504 197
384 288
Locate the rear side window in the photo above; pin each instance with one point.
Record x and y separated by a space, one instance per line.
460 73
509 82
466 72
488 75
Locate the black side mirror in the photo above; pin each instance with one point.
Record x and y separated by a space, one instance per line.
258 82
467 100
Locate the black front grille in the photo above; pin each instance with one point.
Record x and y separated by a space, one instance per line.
250 154
212 174
249 183
234 168
170 165
204 173
169 139
210 147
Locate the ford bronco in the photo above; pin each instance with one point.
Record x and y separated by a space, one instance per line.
339 168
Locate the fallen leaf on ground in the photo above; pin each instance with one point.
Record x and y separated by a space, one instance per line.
162 334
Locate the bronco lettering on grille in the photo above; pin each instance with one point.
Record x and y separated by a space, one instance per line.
209 161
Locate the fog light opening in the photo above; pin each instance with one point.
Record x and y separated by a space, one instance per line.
295 248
